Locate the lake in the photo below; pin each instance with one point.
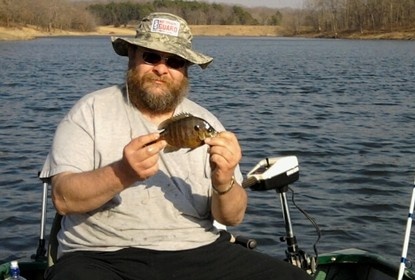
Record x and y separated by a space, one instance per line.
345 108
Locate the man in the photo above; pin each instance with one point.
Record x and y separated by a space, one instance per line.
130 209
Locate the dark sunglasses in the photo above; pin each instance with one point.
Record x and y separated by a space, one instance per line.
172 61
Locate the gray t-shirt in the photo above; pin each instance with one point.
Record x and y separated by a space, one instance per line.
169 211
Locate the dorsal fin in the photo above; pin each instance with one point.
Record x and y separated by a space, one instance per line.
180 116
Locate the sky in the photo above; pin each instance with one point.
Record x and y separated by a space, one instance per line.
263 3
252 3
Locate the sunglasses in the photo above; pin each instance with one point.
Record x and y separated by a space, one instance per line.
172 61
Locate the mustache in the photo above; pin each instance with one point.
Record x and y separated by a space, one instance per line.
150 77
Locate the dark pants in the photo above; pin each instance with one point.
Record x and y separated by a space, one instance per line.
220 260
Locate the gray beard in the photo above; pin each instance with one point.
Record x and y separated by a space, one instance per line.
144 100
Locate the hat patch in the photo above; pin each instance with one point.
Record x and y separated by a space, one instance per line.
165 26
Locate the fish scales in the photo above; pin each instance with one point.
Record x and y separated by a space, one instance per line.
181 135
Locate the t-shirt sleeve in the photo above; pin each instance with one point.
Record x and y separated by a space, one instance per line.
73 144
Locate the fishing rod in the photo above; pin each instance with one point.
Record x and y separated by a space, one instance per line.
277 173
404 260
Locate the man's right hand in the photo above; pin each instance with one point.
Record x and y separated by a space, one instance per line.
141 155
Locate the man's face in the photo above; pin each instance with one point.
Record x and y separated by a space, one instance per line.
155 84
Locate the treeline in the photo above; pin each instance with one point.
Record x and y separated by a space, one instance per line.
330 16
359 15
195 12
82 16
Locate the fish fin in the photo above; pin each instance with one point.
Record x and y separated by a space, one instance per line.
180 116
162 137
170 149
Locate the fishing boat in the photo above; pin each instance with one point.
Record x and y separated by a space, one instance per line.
269 174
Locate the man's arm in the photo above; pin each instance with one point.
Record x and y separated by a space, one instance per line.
87 191
229 200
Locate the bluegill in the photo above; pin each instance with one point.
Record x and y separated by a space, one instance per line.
185 131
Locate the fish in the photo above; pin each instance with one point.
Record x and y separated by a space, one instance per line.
185 131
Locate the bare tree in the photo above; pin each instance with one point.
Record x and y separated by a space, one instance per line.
351 15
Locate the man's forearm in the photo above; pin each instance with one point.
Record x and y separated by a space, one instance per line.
229 208
87 191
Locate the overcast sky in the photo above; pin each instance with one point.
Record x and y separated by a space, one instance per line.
263 3
251 3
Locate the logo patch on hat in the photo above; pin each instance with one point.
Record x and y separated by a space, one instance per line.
165 26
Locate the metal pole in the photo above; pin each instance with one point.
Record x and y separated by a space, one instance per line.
294 256
44 204
292 246
41 249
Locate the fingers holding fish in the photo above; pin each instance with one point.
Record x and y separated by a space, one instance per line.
226 145
141 155
225 154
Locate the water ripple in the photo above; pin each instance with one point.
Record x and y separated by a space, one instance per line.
344 108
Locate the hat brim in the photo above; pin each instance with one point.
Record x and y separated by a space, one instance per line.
121 44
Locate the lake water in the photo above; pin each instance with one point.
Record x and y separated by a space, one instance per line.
345 108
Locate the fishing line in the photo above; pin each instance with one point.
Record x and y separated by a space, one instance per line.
127 111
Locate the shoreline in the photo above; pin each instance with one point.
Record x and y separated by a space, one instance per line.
32 32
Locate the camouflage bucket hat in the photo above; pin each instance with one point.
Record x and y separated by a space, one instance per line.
163 32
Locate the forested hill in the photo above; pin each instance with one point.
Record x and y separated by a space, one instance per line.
318 16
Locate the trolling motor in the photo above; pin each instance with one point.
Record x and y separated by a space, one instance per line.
277 173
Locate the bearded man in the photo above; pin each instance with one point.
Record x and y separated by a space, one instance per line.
129 209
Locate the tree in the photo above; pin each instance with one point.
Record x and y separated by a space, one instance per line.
352 15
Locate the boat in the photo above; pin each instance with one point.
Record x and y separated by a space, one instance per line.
269 174
348 264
